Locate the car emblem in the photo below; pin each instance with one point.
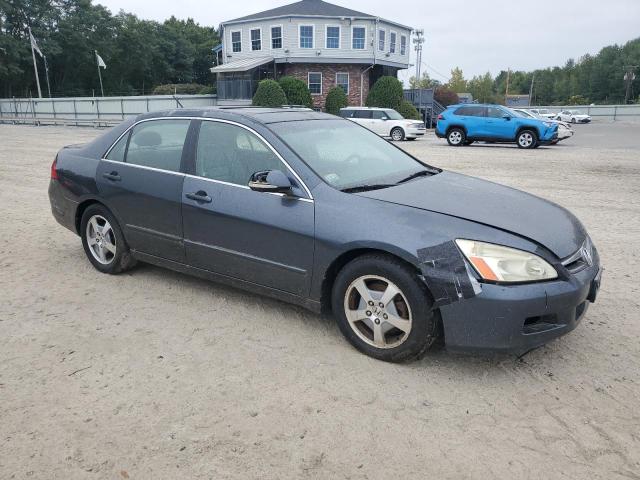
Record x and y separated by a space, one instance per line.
586 254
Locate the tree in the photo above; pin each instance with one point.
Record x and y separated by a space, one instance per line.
269 94
446 96
296 91
425 82
457 83
387 92
408 111
481 87
336 99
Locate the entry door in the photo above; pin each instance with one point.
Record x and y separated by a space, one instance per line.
263 238
141 181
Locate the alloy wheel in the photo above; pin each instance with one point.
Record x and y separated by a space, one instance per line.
101 239
377 311
396 134
525 140
455 137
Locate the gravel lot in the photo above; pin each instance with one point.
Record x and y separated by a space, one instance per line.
155 374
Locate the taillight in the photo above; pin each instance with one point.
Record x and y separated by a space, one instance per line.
54 171
440 117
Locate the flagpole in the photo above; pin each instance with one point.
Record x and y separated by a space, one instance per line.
99 73
35 67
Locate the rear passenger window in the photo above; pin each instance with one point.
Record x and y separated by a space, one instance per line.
346 113
117 152
362 114
470 111
158 144
232 154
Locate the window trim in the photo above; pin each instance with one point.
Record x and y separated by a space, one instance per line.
383 38
393 32
231 32
326 36
251 30
364 45
220 120
348 80
309 82
403 37
271 27
313 36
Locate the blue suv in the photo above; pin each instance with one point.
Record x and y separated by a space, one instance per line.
465 124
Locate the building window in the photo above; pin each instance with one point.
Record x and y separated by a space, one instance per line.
306 36
358 35
314 81
236 41
333 37
381 39
276 37
256 39
392 42
342 80
403 45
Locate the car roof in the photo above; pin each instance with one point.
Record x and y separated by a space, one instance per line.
263 115
365 108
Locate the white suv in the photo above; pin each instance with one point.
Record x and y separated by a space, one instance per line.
386 122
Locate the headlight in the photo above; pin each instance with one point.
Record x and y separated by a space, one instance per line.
503 264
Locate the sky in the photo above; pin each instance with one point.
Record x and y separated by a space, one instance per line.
475 35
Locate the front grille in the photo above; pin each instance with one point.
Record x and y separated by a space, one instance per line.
581 258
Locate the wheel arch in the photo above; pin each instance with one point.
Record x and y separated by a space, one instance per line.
456 125
86 203
528 127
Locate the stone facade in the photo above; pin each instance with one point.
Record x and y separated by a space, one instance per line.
329 70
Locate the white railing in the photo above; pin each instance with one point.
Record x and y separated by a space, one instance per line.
601 112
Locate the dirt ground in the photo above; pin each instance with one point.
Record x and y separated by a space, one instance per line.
154 374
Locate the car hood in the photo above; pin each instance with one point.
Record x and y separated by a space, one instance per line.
491 204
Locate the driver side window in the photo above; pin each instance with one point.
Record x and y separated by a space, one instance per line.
229 153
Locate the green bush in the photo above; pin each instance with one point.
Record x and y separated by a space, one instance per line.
336 99
296 91
269 94
407 110
208 90
386 93
178 89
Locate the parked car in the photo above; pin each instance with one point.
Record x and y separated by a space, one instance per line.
317 211
465 124
573 116
386 122
543 112
564 129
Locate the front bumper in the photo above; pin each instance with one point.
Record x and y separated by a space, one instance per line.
412 132
518 318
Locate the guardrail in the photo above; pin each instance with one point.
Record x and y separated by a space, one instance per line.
98 111
603 112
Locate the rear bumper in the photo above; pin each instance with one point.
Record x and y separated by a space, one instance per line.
63 209
516 319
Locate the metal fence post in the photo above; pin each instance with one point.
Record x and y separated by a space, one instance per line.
53 107
122 108
615 112
75 112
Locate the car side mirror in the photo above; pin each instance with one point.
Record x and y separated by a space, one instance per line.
270 181
507 117
384 119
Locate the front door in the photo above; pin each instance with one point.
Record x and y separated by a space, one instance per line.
141 181
498 126
229 229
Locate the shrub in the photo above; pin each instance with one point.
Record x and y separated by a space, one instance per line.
208 90
386 93
407 110
336 99
269 94
178 89
296 91
446 96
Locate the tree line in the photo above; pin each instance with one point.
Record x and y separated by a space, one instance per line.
591 79
139 54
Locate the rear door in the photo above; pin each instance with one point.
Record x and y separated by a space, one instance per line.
141 181
473 119
262 238
364 118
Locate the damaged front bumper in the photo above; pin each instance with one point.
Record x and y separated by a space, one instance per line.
518 318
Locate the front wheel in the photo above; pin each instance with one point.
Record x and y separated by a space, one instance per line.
527 139
456 137
573 120
383 309
397 134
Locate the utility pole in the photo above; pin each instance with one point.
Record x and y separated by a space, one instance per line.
629 77
418 41
46 69
506 92
533 77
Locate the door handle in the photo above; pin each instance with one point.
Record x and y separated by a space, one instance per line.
199 196
113 176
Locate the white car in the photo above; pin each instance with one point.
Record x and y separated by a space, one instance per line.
573 116
564 129
543 112
386 122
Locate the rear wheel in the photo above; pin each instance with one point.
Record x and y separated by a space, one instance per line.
456 137
383 309
397 134
527 139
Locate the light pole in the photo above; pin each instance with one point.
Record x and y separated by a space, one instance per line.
418 40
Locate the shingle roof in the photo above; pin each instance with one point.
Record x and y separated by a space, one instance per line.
305 7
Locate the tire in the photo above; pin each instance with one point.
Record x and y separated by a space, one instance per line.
411 139
375 274
397 134
456 137
573 120
108 252
527 139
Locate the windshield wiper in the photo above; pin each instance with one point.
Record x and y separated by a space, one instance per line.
366 188
421 173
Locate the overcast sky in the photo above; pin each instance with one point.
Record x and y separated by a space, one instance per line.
476 35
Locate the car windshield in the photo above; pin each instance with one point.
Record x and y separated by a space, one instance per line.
393 115
520 113
348 156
